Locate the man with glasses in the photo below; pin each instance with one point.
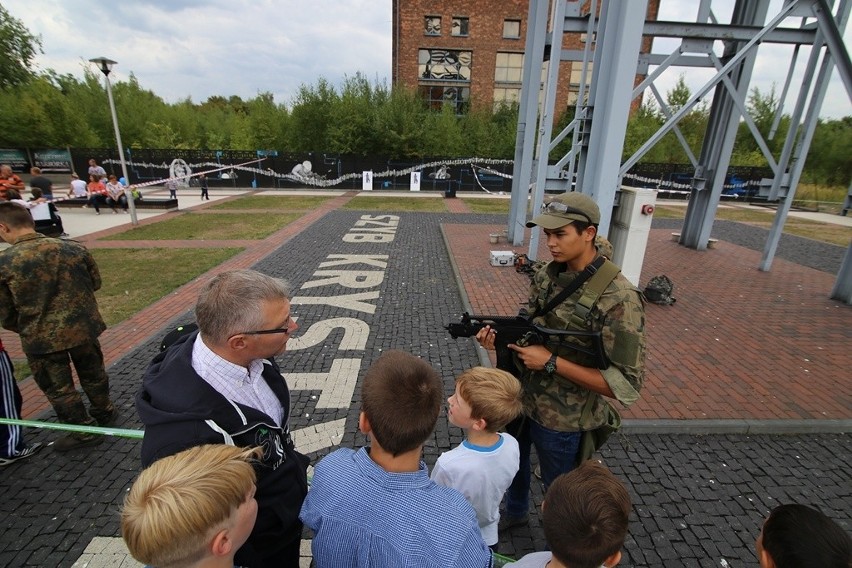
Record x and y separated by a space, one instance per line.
564 389
221 385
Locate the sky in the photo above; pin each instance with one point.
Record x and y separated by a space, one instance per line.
201 48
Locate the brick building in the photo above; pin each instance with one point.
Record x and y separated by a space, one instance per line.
470 53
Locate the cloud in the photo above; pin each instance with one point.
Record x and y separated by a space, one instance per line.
201 48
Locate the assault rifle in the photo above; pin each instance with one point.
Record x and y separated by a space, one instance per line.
521 331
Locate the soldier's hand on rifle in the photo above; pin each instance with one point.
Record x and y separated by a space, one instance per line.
485 337
533 356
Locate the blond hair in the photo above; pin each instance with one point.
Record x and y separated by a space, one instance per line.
492 394
178 504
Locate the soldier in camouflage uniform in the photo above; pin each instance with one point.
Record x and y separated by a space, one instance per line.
47 295
558 382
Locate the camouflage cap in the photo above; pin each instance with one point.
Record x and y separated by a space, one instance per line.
565 209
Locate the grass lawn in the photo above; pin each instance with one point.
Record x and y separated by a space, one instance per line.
286 202
825 232
488 205
210 226
408 203
135 278
21 369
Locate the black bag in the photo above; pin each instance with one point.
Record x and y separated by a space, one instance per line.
659 290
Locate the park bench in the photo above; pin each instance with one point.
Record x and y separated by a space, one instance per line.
163 203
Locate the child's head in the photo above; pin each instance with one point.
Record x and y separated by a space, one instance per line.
194 504
401 399
802 537
585 516
488 395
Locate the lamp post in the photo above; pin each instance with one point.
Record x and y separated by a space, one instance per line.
105 65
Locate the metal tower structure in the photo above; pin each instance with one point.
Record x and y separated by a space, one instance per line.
614 29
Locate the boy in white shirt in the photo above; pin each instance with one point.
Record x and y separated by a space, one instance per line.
483 465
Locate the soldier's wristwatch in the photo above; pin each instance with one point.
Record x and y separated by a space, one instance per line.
550 366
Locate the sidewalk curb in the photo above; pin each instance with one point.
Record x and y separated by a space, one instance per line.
736 426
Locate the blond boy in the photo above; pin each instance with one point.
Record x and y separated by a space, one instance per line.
192 509
483 465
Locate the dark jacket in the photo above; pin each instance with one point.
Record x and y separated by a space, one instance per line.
180 410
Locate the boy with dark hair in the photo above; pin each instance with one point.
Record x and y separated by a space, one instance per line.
484 464
377 506
797 536
584 515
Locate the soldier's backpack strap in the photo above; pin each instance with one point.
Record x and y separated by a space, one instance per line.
595 287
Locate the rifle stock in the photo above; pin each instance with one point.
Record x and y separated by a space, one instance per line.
511 329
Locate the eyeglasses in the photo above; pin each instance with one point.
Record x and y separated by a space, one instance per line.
285 330
558 207
265 331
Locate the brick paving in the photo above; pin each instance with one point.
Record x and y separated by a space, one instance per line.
738 343
698 500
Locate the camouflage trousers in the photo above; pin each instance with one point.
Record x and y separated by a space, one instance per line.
52 374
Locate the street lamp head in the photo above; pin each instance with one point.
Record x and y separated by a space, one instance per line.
104 64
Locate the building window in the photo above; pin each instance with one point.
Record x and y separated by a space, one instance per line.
437 97
460 27
506 96
509 67
577 73
432 25
444 65
512 29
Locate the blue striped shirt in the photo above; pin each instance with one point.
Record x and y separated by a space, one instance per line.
362 516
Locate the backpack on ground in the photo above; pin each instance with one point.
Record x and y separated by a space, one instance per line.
659 290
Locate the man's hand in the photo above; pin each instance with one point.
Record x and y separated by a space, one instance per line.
533 357
485 337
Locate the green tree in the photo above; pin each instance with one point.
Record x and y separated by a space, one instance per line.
18 48
402 124
311 117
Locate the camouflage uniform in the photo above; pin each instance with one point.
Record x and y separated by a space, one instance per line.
47 295
553 405
619 315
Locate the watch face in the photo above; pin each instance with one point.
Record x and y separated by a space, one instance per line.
550 366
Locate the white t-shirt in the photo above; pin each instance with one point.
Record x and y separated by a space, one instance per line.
482 475
78 186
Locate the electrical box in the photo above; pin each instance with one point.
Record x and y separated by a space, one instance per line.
629 229
502 258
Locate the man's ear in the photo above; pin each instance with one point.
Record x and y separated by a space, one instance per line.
612 560
221 545
237 342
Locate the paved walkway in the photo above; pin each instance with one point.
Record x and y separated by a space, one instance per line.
740 347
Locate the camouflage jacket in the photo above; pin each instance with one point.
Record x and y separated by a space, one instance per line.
47 294
619 314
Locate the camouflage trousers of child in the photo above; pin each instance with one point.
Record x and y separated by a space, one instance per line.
52 374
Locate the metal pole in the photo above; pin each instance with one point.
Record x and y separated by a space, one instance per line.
127 194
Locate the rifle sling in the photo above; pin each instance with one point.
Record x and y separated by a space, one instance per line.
587 273
597 284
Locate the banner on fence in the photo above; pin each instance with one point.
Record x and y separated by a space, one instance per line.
53 160
15 158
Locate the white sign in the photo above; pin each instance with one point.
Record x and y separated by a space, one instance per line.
367 181
415 181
